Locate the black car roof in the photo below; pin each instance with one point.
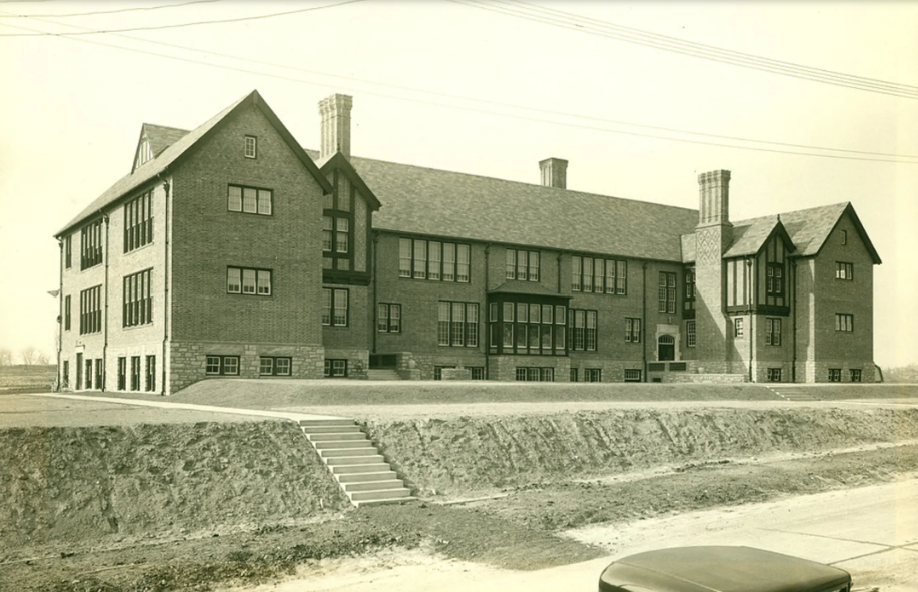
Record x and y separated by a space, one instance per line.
721 569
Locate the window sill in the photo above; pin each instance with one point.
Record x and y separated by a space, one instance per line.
140 248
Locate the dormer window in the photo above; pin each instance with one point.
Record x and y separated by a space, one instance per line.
144 153
251 144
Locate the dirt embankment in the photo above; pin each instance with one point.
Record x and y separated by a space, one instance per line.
108 485
470 455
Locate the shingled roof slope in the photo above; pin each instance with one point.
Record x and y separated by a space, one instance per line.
749 238
149 169
161 137
444 203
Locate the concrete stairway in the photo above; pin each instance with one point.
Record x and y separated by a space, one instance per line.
377 374
793 393
363 474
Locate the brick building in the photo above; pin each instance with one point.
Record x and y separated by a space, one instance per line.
230 251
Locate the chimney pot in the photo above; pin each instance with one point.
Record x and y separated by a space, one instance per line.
554 172
336 125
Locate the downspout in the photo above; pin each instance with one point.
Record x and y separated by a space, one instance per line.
487 311
105 217
560 253
374 330
167 306
751 335
793 295
60 313
644 320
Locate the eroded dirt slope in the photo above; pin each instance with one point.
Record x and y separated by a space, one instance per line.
468 455
113 483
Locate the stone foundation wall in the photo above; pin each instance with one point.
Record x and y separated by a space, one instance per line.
187 361
358 361
504 367
612 370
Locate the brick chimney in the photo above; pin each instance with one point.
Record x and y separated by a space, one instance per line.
713 236
554 172
336 125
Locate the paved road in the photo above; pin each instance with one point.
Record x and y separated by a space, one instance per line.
872 532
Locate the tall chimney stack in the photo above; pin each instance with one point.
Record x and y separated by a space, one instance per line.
714 198
336 125
554 172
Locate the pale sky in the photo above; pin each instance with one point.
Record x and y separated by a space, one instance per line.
72 111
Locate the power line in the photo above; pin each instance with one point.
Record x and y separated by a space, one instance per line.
470 109
700 51
704 46
177 25
108 11
497 103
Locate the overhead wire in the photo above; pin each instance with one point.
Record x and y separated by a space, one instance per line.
472 109
849 81
136 8
178 25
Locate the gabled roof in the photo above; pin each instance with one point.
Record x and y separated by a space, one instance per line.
442 203
173 153
807 230
161 137
340 162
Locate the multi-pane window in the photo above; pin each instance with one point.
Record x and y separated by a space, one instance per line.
632 375
528 328
334 307
137 301
138 221
249 200
632 330
690 338
689 297
122 374
844 322
150 382
68 251
274 366
581 328
222 365
523 265
772 331
774 281
535 374
844 271
738 327
434 260
336 238
144 153
855 374
91 244
667 292
389 318
592 375
335 368
246 280
135 373
834 374
589 274
573 377
478 372
91 310
457 324
89 374
251 147
67 312
775 375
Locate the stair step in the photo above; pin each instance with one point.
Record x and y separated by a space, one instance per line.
339 444
380 502
360 496
316 430
363 451
326 422
336 436
354 460
382 475
373 485
368 467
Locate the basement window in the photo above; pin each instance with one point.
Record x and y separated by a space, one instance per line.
223 365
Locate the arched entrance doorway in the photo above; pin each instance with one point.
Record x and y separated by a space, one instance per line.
666 348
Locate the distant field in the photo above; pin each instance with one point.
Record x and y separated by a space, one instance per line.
26 379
